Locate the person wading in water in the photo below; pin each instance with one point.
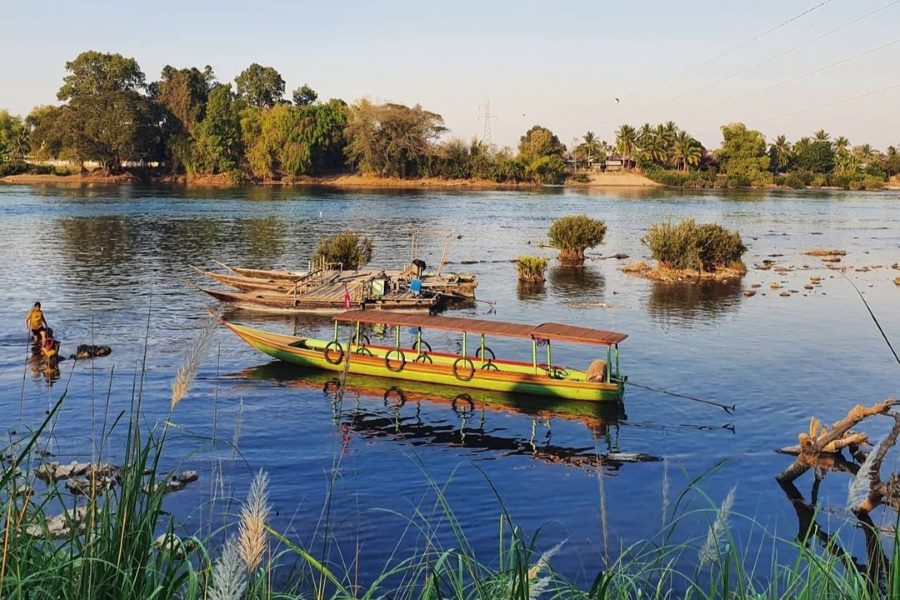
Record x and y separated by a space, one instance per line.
36 322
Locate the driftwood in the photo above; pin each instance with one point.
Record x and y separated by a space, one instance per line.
821 449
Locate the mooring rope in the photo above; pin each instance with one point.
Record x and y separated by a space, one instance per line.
728 409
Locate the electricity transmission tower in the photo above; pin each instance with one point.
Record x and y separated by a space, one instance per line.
486 116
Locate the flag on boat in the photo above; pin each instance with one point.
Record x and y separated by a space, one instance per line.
346 298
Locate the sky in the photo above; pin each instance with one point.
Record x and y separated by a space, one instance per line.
781 66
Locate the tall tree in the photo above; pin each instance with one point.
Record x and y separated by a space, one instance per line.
743 154
780 154
390 139
219 146
542 154
182 95
14 140
815 155
305 95
687 150
626 144
108 118
260 86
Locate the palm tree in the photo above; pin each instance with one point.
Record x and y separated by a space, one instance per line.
687 150
865 152
781 151
821 135
891 161
841 145
589 148
626 143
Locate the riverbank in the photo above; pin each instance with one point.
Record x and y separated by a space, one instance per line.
338 181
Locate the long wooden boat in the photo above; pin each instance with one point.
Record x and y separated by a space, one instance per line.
601 381
323 304
452 284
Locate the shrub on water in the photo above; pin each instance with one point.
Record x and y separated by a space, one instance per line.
346 248
674 245
687 245
574 234
531 268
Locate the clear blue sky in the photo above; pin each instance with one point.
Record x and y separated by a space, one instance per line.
558 64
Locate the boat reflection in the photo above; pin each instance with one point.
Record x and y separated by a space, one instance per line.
408 414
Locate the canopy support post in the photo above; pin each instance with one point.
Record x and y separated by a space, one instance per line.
465 343
617 360
419 340
549 360
397 339
358 338
335 331
482 349
534 354
608 364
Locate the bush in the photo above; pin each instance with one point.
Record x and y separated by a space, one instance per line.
574 234
873 182
795 181
819 180
346 248
581 178
687 245
12 167
531 268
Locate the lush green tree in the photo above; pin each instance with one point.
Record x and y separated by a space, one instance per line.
539 142
574 234
627 143
346 248
108 118
814 155
821 136
305 95
780 154
219 145
289 141
260 86
14 138
542 154
687 151
743 155
47 131
182 95
390 139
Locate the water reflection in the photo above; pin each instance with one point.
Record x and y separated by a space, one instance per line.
420 413
577 282
689 301
528 291
97 247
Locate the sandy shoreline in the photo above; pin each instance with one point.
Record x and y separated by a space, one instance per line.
337 181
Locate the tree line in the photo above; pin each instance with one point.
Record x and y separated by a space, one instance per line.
190 123
745 159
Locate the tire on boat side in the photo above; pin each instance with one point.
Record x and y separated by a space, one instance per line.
340 351
387 360
469 365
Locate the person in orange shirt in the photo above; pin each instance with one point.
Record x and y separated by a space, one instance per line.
36 322
50 348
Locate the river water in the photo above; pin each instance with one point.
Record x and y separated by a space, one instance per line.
112 265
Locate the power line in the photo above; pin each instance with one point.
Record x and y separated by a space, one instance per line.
833 102
735 48
780 54
790 79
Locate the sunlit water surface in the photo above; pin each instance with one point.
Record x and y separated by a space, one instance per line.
112 265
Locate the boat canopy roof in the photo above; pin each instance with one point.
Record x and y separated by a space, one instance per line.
545 331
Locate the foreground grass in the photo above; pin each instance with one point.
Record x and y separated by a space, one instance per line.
119 542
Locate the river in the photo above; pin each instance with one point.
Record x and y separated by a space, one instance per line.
112 265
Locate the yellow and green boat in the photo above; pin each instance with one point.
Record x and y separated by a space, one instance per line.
482 370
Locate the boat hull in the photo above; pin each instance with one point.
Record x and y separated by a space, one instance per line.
506 377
